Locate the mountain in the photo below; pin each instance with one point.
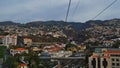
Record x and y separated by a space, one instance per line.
95 22
113 22
8 23
75 25
38 23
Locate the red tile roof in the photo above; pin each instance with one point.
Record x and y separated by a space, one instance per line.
20 49
106 57
95 56
23 65
112 52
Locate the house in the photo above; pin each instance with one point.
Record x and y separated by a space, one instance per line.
52 48
27 41
18 51
22 66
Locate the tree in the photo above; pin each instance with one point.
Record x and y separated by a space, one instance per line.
116 44
2 51
69 45
11 62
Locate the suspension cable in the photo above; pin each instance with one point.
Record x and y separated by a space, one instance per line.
104 9
68 11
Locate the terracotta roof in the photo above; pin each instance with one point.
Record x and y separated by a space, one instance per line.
20 49
113 52
52 49
95 56
106 57
23 65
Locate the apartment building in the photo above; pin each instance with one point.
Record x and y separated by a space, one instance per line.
10 40
105 58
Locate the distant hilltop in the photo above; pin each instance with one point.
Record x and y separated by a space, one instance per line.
75 25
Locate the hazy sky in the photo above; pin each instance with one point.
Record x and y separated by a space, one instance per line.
36 10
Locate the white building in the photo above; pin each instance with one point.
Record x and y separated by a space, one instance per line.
10 40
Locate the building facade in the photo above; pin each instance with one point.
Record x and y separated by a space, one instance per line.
105 58
27 41
10 40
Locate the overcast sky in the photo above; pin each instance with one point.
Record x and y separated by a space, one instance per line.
44 10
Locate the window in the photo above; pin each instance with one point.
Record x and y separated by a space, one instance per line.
113 64
117 59
113 59
118 64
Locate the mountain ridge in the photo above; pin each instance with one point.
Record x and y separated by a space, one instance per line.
75 25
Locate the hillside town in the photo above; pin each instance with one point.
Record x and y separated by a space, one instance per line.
53 46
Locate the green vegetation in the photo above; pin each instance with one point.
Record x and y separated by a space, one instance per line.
69 45
11 62
116 44
32 58
2 51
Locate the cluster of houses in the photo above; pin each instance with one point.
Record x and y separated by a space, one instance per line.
14 40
